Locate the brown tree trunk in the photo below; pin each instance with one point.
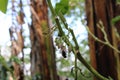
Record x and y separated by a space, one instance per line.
43 64
17 44
102 57
17 47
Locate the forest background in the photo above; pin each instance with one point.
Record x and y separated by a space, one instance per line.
31 54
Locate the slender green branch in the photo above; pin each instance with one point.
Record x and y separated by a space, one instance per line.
101 27
97 39
74 39
76 71
61 32
63 20
51 8
70 30
66 40
106 42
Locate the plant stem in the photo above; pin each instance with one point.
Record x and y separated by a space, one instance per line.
66 40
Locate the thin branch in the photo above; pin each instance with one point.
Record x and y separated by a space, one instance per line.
106 42
66 40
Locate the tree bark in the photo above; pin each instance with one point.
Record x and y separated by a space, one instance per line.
102 57
42 52
17 43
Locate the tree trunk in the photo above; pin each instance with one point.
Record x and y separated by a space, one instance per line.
17 47
103 58
43 65
17 43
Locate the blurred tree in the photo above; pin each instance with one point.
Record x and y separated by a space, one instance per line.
17 41
43 65
42 56
104 59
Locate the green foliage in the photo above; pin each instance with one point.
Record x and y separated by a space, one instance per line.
81 75
3 5
27 77
3 72
76 9
16 59
115 19
4 63
5 68
62 6
36 77
118 1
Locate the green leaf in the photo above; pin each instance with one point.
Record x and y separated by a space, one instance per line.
16 59
4 63
62 6
3 5
116 19
118 0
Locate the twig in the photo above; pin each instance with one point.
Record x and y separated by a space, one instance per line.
106 42
66 40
